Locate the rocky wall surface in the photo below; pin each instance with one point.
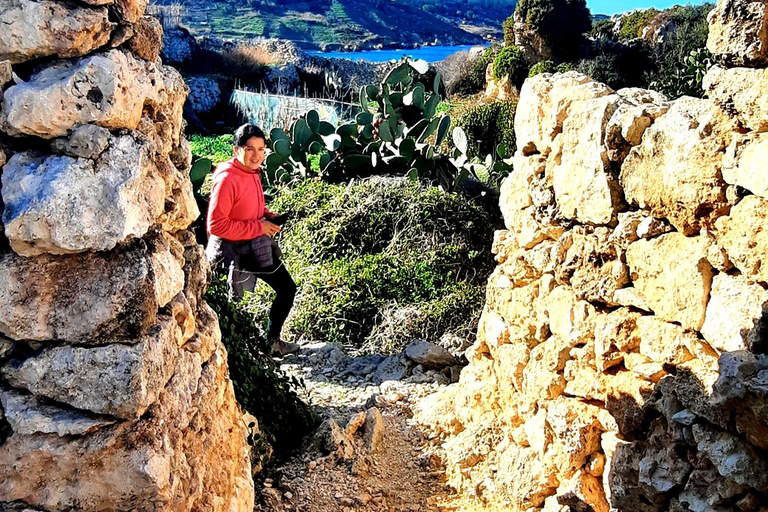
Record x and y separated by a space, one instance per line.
114 388
621 357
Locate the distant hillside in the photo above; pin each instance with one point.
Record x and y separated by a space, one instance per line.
349 24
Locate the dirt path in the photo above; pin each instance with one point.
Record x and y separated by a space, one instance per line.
399 473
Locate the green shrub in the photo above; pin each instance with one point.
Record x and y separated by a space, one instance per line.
632 25
510 62
561 23
215 148
602 28
489 125
509 31
382 261
544 66
687 80
260 387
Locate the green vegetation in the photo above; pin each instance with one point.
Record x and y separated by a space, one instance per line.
260 387
489 125
382 261
510 62
561 23
632 26
216 149
545 66
686 80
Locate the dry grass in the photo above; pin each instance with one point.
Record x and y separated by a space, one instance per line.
170 15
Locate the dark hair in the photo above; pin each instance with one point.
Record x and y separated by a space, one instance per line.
246 132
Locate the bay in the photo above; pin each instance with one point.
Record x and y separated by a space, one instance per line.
427 53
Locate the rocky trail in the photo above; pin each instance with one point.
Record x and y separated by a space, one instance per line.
368 454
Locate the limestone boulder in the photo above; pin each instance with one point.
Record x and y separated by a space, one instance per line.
147 40
676 172
544 104
745 90
742 165
28 416
130 11
35 29
117 379
109 89
665 342
615 335
524 478
745 239
706 490
585 188
592 265
582 492
736 314
672 274
59 204
6 73
87 298
181 208
738 32
193 454
576 430
86 141
429 354
570 319
510 302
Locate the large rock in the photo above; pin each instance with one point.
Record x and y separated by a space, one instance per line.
676 172
27 416
674 277
736 315
60 204
733 458
147 40
187 453
88 298
110 89
743 165
429 354
543 107
637 111
34 29
117 379
585 188
738 32
130 11
744 237
744 89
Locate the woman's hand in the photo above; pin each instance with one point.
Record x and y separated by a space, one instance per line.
269 228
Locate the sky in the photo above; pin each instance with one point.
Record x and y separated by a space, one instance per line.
617 6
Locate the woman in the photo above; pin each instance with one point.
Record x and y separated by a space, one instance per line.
241 231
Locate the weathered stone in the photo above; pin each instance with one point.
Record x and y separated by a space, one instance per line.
6 72
585 189
583 492
85 298
429 354
61 205
745 90
745 239
34 29
28 416
675 172
630 296
110 89
514 193
621 485
592 265
626 395
147 40
673 275
87 141
743 163
741 389
181 155
576 433
187 453
733 459
524 478
661 469
130 11
395 367
373 430
664 342
333 439
615 335
736 315
738 32
706 490
570 318
544 104
509 300
116 379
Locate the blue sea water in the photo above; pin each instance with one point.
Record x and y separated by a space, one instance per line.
427 53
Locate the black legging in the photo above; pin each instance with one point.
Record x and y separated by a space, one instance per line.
285 289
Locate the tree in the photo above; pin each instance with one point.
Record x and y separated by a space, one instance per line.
561 23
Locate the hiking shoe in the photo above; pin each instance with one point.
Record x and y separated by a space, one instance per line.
282 348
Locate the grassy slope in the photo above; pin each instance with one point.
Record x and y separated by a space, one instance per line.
322 22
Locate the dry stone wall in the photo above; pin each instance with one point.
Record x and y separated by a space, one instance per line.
114 385
621 357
